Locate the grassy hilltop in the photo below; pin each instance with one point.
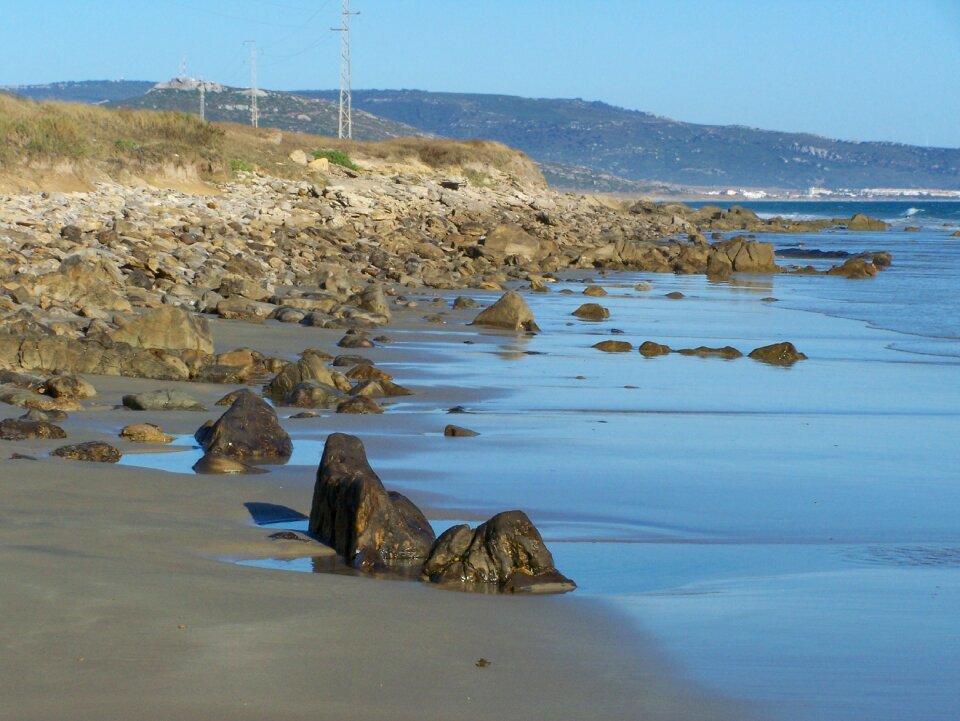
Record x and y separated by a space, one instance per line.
68 146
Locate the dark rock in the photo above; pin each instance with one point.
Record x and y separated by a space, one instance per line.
649 349
313 394
359 405
452 431
727 352
355 341
507 551
228 399
882 260
592 311
248 429
96 451
353 512
675 295
613 346
781 354
21 430
164 399
462 302
342 361
511 312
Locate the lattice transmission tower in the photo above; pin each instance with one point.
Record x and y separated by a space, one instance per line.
346 100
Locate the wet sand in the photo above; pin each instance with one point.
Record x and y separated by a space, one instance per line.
118 601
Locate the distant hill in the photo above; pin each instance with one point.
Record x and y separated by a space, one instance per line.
276 110
93 92
644 147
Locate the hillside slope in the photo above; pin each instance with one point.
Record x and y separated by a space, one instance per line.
642 146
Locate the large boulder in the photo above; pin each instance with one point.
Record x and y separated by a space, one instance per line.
745 256
249 429
353 512
511 239
859 221
507 551
167 328
511 312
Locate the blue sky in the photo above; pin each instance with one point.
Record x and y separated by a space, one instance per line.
853 69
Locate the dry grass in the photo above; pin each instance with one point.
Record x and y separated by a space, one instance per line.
141 141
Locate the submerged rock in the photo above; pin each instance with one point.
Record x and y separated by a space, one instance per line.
353 512
214 463
727 352
510 311
452 431
854 268
781 354
591 311
248 429
507 551
595 291
859 221
94 451
613 346
649 349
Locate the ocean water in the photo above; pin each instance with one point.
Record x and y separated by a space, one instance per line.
788 536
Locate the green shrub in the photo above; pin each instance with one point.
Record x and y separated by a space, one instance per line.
337 157
125 144
240 165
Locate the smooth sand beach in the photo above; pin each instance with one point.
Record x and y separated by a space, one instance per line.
118 603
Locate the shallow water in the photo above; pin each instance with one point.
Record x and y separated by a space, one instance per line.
790 535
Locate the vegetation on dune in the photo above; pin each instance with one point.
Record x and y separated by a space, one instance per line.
47 131
45 134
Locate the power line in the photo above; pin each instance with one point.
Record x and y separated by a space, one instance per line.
346 99
254 114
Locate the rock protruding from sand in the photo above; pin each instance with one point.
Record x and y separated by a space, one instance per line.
313 394
592 311
163 399
353 512
70 387
510 312
23 398
20 430
507 551
144 433
780 354
95 451
249 429
167 328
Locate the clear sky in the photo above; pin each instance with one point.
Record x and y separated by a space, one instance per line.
853 69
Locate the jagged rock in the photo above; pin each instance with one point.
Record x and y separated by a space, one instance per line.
507 551
70 387
167 328
649 349
592 311
248 429
309 368
613 346
353 512
781 354
359 405
164 399
367 372
452 431
313 394
511 239
144 433
746 256
510 311
21 430
94 451
84 282
727 352
379 389
213 463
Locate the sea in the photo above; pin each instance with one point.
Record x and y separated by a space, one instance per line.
788 537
